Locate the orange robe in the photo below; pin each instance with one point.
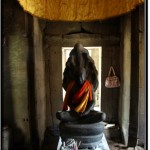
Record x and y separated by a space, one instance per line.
81 97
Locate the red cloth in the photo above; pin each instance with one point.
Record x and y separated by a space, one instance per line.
65 104
77 96
80 92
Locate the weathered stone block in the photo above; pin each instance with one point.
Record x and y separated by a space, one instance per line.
56 28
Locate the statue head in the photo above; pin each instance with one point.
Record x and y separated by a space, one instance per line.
81 76
80 67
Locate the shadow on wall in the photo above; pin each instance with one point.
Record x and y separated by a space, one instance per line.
12 136
31 94
18 66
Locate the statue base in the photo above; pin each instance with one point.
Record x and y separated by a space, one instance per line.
89 135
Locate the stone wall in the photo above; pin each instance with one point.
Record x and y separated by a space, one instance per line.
67 34
132 95
15 52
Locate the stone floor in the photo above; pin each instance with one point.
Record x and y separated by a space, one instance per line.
118 146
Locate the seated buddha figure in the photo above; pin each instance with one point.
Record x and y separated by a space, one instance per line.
80 81
78 105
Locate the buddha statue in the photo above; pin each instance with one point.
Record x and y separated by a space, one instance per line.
80 82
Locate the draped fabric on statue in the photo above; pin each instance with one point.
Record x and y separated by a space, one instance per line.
78 10
80 97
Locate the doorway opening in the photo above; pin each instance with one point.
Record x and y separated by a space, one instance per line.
96 54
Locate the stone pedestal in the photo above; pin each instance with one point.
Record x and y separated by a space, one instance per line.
101 145
87 136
